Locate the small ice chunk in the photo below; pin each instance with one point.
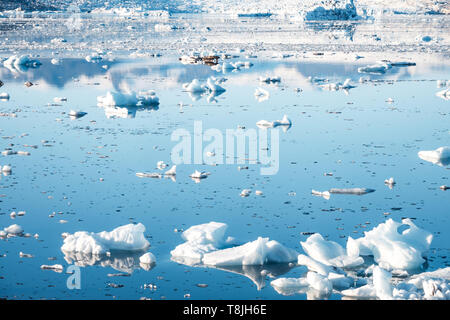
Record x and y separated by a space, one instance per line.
194 87
245 192
381 67
324 194
147 258
149 175
161 165
56 267
357 191
172 171
14 229
444 94
285 121
6 169
77 114
381 282
199 174
319 282
288 286
112 99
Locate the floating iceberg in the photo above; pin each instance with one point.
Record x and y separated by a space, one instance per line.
329 252
13 229
147 258
205 244
200 239
392 247
259 252
357 191
112 99
324 194
130 99
129 237
4 96
379 68
440 156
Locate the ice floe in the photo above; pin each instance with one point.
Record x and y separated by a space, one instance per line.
356 191
128 99
126 238
147 258
329 252
392 247
76 114
440 156
206 244
259 252
55 267
272 124
13 229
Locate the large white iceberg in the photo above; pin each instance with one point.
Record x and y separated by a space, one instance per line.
392 247
129 237
206 244
200 239
259 252
329 253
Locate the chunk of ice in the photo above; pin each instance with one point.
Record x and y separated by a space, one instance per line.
127 238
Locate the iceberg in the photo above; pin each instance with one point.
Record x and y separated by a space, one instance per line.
440 156
259 252
200 239
206 245
329 253
392 247
129 237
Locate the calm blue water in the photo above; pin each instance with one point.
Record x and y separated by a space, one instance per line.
359 137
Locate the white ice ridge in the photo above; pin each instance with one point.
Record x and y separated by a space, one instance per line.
128 237
439 156
129 99
205 244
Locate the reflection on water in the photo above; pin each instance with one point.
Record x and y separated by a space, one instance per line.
120 261
259 274
126 112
